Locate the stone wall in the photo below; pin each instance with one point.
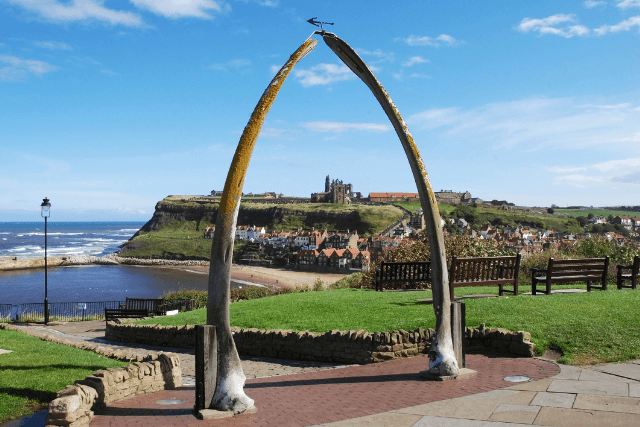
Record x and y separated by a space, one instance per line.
333 346
75 405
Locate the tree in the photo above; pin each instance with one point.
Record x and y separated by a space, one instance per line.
583 221
590 215
550 211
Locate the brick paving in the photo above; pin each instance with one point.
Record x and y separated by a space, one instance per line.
328 396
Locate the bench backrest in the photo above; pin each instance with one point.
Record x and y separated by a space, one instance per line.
635 269
485 270
585 268
405 271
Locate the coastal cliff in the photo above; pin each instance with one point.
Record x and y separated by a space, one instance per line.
175 231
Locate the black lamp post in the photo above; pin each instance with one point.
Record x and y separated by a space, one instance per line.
45 212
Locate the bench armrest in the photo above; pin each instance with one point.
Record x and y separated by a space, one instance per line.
538 270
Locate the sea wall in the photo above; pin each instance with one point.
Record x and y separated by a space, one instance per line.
334 346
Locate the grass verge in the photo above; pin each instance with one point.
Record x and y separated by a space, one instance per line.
31 375
588 327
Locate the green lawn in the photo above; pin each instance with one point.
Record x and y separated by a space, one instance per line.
596 212
31 375
588 327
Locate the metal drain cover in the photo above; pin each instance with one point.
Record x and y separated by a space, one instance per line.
169 402
517 378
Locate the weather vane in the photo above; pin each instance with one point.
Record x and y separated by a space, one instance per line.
313 21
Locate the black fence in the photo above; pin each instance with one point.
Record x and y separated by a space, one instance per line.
5 313
73 311
58 311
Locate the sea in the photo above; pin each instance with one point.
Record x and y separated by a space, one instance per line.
93 283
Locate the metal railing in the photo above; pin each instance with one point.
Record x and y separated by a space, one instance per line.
58 311
73 311
5 313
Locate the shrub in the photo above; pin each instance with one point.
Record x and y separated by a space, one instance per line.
200 297
319 285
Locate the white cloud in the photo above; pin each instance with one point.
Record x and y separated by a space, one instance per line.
381 55
339 127
414 60
537 124
79 10
52 45
16 69
625 4
593 3
625 25
603 174
566 169
270 3
234 64
552 25
183 8
430 41
323 74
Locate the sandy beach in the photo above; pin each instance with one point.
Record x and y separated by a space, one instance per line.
266 276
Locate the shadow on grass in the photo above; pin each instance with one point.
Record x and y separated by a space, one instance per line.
38 395
50 367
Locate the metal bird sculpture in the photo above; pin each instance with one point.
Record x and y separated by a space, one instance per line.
313 21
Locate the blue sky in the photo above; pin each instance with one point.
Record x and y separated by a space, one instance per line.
107 106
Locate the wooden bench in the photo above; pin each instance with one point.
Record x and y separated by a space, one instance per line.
124 313
633 277
571 270
484 271
154 305
402 272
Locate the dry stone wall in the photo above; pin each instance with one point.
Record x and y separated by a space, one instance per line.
75 405
333 346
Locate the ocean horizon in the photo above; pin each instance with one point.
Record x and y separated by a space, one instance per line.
95 238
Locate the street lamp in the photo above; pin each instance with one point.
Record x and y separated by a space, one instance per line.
45 212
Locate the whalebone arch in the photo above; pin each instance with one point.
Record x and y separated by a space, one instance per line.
229 393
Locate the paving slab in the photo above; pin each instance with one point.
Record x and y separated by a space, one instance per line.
524 414
634 390
568 373
627 370
539 385
629 405
505 396
386 419
554 400
493 394
589 387
589 375
561 417
429 421
471 409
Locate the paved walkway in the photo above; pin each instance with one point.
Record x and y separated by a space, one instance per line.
392 394
253 367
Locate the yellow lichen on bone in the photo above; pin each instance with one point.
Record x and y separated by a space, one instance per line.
233 186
